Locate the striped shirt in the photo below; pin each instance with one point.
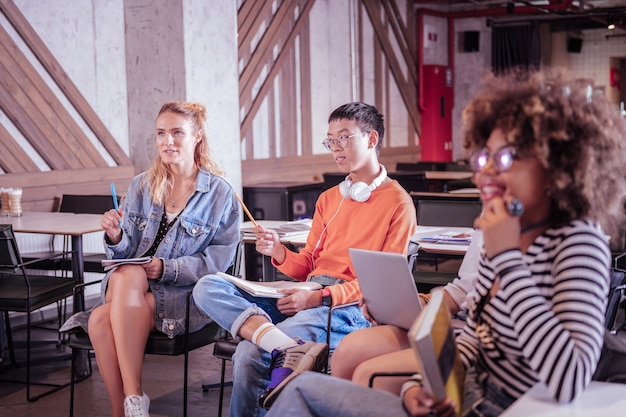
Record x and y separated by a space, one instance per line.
546 321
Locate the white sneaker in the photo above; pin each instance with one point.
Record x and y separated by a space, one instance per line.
137 406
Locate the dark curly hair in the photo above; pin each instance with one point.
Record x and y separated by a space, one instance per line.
574 131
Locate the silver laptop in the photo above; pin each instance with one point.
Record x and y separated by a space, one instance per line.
387 285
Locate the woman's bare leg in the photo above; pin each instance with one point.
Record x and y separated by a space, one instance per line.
101 336
365 344
399 361
132 319
120 331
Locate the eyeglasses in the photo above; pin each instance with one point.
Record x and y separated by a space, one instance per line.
502 159
342 141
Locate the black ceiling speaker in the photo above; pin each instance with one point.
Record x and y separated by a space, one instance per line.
574 45
471 41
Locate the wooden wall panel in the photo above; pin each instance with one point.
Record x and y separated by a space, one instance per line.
279 69
75 165
60 77
310 168
14 158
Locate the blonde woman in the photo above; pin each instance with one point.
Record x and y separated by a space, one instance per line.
185 216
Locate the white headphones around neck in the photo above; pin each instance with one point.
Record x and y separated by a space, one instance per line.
360 191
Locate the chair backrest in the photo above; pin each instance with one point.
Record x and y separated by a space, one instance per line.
617 289
87 204
333 178
235 268
447 213
421 166
9 253
410 180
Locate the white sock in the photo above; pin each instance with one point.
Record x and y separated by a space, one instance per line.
269 337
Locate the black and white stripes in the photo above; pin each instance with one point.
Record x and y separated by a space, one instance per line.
546 321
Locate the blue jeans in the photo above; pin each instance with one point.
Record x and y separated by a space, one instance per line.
483 398
230 308
315 395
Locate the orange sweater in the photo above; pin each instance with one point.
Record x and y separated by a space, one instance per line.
385 223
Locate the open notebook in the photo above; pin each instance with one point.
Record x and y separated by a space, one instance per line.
282 228
387 286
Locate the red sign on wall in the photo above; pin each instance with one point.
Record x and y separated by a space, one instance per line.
615 78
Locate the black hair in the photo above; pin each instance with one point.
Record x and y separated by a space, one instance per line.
367 117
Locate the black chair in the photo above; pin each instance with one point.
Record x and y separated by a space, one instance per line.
612 362
617 294
410 180
448 213
87 204
158 344
332 178
23 292
422 166
225 347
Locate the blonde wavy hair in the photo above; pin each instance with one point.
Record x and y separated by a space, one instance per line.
575 132
159 176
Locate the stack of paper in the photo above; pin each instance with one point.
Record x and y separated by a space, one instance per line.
283 228
297 226
269 289
449 238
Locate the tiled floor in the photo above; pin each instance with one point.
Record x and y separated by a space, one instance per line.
162 378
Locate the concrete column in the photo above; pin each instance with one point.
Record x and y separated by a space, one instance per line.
155 69
212 77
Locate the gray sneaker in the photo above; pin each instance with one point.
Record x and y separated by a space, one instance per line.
137 406
291 362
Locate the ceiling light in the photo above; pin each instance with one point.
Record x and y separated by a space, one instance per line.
610 24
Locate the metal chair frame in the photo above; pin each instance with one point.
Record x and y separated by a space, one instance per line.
25 293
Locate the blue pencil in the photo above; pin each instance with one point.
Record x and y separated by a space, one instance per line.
114 194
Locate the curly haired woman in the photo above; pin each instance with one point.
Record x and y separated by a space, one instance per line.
537 317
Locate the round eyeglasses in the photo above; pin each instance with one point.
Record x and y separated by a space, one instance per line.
502 159
342 141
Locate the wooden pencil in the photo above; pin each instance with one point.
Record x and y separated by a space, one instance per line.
247 211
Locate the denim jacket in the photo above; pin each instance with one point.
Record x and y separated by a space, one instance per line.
202 241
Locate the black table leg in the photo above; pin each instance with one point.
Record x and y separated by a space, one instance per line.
78 271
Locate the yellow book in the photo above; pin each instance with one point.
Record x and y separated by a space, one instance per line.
432 339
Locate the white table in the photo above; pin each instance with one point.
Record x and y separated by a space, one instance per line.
599 399
57 223
299 240
443 178
441 248
464 194
448 175
295 239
